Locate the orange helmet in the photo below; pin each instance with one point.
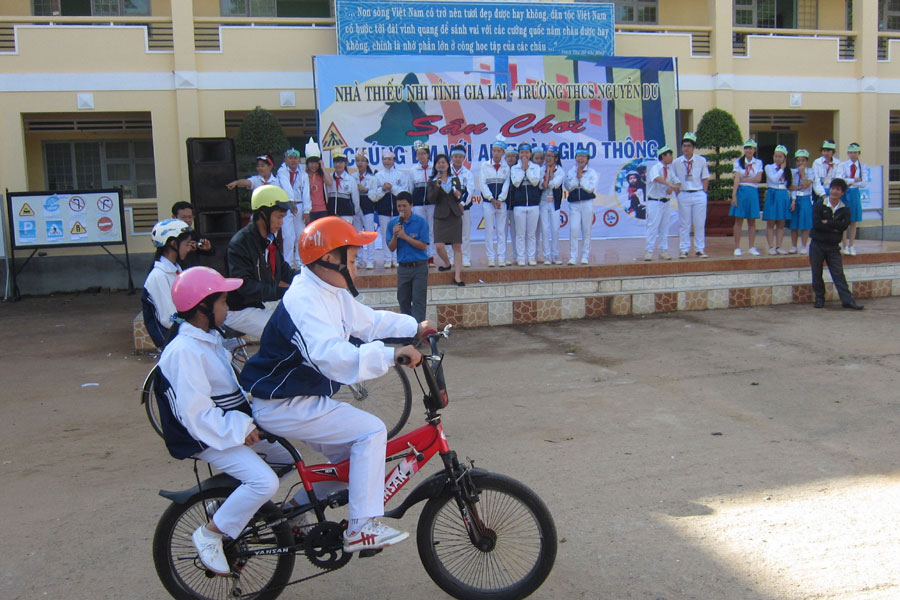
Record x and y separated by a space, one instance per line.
330 233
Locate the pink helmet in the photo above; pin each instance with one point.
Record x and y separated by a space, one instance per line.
195 284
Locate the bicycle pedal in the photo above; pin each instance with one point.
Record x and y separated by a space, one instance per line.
368 553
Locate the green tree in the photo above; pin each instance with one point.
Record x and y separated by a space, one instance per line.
260 133
719 131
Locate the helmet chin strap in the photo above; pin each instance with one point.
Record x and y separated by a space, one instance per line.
342 269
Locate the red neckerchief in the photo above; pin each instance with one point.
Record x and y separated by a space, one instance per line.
272 256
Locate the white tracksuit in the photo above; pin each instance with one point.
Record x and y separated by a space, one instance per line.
494 178
298 192
581 212
159 286
549 214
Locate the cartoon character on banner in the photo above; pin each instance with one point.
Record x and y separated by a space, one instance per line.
631 188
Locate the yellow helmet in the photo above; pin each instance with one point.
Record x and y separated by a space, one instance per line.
269 196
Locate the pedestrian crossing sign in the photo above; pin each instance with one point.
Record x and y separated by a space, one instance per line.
333 138
78 229
26 211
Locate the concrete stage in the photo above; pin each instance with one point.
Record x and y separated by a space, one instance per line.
619 282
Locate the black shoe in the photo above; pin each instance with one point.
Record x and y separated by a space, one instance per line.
442 269
819 303
462 283
852 304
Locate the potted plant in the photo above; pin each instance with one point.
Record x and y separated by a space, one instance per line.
719 132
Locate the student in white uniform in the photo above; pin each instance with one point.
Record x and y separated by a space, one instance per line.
663 186
856 175
494 189
459 170
264 176
512 159
306 353
525 181
342 193
553 176
388 182
581 182
825 168
295 182
801 202
364 220
748 172
418 175
778 201
205 415
693 172
172 239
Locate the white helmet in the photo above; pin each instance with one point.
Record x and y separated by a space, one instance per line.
169 228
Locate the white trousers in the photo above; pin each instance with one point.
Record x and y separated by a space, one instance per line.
466 239
291 229
550 230
581 219
382 231
339 431
526 218
258 482
494 222
365 223
511 227
251 321
692 212
658 217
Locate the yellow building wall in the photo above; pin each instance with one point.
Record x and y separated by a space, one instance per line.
833 14
691 13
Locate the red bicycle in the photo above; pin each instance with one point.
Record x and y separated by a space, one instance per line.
480 534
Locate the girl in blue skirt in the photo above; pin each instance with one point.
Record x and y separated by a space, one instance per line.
801 202
778 202
856 175
748 172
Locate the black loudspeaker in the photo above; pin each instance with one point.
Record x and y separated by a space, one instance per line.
211 165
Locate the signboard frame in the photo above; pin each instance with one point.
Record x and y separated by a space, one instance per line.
15 245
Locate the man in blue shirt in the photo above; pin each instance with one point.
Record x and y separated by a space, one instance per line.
407 234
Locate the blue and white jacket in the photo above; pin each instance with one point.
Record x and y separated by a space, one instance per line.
200 402
305 349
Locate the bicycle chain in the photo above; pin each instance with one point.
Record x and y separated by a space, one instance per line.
281 587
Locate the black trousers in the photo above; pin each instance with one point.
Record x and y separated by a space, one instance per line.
412 290
831 254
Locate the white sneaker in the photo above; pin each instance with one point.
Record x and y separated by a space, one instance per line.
845 250
804 250
772 251
665 256
370 265
396 264
372 536
702 254
557 261
793 250
532 263
753 251
852 251
547 261
781 251
209 548
683 254
648 256
737 252
585 261
521 263
387 264
467 263
571 261
508 262
490 262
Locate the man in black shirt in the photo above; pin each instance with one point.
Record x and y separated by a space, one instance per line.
183 211
831 218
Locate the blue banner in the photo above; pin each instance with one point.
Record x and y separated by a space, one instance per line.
475 28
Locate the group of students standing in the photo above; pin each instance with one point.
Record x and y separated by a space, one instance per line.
791 194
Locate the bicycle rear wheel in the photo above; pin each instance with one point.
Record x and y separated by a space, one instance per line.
519 541
148 398
184 576
389 398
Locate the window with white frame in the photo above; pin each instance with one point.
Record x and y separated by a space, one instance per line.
89 8
87 165
275 8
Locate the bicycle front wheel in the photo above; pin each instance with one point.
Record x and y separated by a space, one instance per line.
184 576
148 398
518 548
389 398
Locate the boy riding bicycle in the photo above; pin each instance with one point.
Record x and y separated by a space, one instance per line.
306 355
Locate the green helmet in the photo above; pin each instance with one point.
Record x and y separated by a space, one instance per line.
269 196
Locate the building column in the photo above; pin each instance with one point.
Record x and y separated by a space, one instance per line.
721 19
187 102
871 127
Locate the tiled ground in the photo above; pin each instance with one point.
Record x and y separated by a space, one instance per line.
515 295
